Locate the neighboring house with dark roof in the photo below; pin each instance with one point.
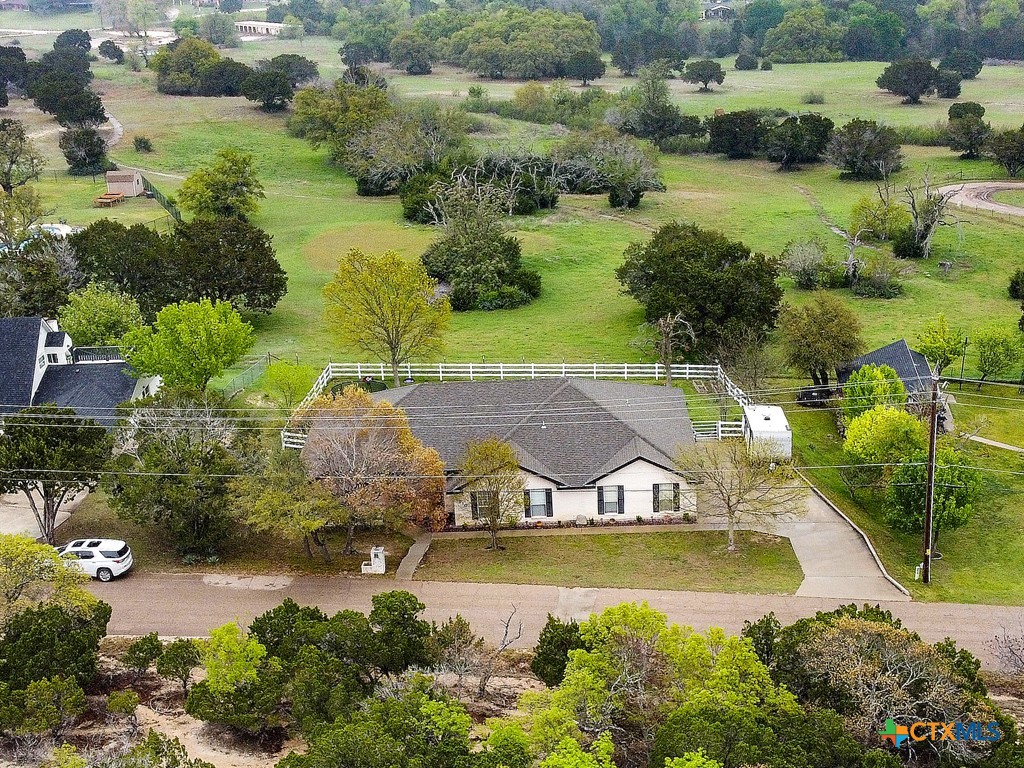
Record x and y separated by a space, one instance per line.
718 11
586 449
41 365
910 366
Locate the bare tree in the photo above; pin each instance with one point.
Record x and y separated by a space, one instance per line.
469 206
745 485
508 638
674 333
885 672
666 336
749 358
1009 649
456 648
927 212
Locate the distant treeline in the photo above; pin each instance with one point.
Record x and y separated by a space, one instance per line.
511 39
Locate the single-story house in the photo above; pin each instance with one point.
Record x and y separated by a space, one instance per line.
718 11
910 366
265 28
42 365
587 449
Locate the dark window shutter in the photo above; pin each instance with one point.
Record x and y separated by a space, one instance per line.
550 507
657 498
675 497
622 499
474 506
600 499
526 503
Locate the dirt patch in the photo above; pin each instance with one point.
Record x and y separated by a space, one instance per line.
212 744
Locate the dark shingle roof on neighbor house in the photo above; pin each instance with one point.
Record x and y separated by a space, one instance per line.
910 366
19 339
570 431
93 390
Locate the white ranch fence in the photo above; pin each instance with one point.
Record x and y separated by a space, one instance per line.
702 430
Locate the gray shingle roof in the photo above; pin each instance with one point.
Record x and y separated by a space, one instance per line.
571 431
93 390
910 366
55 339
19 339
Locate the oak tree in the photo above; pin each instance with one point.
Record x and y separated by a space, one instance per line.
51 455
20 162
705 72
98 316
387 307
227 259
176 454
821 336
228 187
269 87
721 288
910 78
189 343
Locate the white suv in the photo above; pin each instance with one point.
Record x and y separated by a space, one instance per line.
100 558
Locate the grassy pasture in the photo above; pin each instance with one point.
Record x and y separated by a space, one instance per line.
1010 197
314 215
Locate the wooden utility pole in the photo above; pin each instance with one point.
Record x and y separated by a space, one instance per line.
929 499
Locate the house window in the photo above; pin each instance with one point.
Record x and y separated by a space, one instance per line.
537 503
666 497
481 503
51 358
42 361
611 500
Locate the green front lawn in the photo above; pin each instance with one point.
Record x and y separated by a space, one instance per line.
246 552
689 560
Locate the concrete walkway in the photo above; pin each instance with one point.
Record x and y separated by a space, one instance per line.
995 444
836 558
191 605
413 558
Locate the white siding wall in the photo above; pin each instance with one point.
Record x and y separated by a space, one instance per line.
40 361
637 479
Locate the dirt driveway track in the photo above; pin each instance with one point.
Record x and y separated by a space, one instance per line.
978 195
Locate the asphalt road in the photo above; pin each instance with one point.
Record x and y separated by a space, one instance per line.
190 605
